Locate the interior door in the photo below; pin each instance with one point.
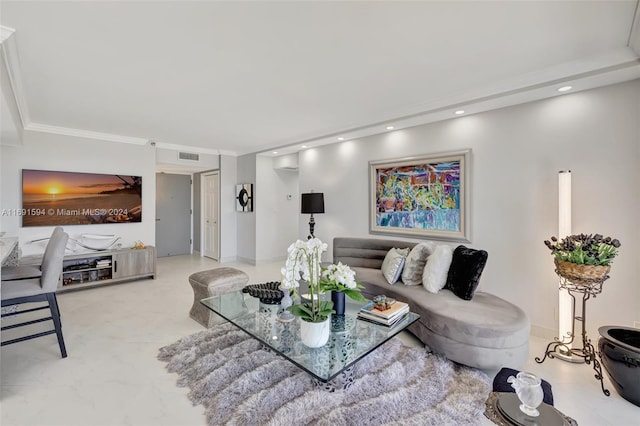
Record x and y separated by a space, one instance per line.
173 214
211 199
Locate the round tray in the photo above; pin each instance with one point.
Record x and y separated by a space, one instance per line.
509 406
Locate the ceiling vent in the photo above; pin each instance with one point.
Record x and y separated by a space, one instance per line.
188 156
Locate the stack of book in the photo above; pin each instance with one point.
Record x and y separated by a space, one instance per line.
103 263
389 317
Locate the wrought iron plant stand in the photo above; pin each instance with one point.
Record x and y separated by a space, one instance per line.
561 347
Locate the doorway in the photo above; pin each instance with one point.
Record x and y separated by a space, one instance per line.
210 212
173 214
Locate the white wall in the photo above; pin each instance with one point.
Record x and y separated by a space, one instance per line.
286 162
197 211
276 215
228 216
66 153
516 155
246 221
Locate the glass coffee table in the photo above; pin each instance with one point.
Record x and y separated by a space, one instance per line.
331 366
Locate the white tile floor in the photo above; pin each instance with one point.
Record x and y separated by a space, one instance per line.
112 376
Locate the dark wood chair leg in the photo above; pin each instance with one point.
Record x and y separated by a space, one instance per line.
58 308
55 314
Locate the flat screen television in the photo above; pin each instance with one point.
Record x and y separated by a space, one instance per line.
51 198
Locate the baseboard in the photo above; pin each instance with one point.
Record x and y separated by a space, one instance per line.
252 262
246 260
543 332
282 259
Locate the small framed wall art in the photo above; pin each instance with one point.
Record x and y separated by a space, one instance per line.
425 196
244 197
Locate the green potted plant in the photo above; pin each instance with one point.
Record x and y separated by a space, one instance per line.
583 258
340 280
303 262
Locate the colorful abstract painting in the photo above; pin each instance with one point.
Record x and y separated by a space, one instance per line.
421 196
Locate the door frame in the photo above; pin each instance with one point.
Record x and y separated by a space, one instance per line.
202 212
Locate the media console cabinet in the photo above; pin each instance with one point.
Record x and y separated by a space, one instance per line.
106 267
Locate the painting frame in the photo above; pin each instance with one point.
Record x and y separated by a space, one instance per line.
425 196
244 197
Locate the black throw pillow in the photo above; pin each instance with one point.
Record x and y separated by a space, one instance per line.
465 270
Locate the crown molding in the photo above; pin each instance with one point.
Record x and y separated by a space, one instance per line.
12 65
66 131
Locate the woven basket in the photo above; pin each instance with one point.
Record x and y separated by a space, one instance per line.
582 274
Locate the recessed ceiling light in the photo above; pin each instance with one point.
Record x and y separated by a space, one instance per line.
389 127
340 138
275 152
303 146
460 112
565 88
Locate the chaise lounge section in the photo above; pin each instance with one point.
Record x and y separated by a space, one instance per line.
486 332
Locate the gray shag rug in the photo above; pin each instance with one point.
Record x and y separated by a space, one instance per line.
240 384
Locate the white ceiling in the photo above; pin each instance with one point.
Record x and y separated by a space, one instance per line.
243 77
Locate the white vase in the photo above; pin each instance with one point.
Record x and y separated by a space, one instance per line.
314 334
286 301
529 390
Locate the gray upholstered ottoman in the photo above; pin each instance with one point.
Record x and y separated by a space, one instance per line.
213 282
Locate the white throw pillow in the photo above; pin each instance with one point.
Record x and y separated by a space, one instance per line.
415 262
393 263
436 270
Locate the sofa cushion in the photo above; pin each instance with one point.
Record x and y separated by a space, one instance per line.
364 252
393 263
414 264
434 276
372 279
464 274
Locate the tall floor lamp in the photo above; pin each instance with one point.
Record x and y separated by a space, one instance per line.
565 303
312 203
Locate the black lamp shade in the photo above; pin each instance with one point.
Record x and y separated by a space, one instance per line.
312 203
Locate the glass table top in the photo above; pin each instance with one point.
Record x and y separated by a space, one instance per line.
350 339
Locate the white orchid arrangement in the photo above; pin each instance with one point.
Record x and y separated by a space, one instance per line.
341 278
303 262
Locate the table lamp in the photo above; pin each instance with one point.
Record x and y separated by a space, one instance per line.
312 203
